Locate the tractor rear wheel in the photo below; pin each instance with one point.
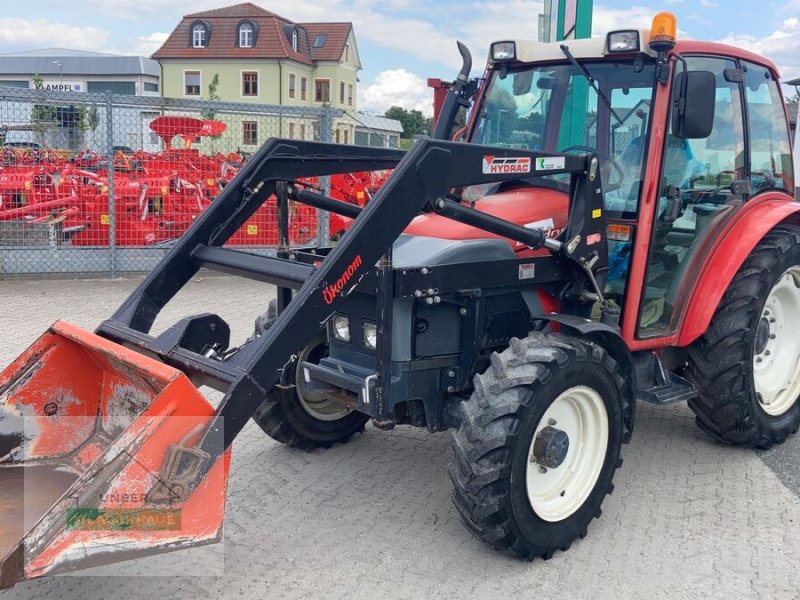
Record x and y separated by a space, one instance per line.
538 444
747 365
303 418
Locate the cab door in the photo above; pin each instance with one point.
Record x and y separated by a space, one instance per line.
701 186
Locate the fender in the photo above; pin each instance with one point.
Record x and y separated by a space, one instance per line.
610 339
754 221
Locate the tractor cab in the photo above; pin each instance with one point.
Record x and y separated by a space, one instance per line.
683 144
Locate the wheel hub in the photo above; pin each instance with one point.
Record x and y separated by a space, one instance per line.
550 447
318 405
566 453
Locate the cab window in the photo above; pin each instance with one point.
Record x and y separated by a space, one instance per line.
770 154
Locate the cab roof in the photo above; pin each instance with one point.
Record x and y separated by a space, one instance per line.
529 51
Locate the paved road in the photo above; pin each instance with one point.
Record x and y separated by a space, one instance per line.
689 518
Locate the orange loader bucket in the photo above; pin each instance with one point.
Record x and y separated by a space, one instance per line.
86 428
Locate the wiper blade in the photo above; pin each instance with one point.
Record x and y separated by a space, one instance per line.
590 79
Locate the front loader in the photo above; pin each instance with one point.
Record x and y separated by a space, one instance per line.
593 244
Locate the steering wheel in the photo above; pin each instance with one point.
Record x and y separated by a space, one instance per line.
607 157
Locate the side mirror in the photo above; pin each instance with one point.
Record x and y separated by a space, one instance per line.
693 100
522 82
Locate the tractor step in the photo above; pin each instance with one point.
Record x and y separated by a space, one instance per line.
676 389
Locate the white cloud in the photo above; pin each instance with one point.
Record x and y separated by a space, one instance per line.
608 19
782 46
35 33
397 87
146 45
123 9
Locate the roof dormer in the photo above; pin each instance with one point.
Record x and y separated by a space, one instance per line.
246 34
292 37
199 34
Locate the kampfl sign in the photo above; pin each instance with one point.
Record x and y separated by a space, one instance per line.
61 86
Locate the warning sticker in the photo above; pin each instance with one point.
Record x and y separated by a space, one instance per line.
506 164
549 163
527 271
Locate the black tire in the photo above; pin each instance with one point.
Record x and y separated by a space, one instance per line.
721 362
498 424
282 415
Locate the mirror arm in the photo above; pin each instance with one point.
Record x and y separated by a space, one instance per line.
662 68
684 87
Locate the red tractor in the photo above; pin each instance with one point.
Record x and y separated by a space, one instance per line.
619 227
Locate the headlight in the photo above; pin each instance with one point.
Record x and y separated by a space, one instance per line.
623 41
504 51
370 335
341 328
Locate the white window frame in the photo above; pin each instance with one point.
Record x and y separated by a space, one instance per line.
199 35
241 83
246 143
246 35
200 86
316 79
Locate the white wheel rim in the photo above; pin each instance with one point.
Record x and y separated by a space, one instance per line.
556 493
316 404
776 357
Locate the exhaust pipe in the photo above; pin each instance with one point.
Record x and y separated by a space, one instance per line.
457 96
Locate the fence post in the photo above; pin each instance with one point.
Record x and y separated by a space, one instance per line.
112 208
323 216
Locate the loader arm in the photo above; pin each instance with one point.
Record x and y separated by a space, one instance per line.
420 183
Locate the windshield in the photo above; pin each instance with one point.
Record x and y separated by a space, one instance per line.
554 108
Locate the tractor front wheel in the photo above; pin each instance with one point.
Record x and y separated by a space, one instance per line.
538 444
747 365
297 416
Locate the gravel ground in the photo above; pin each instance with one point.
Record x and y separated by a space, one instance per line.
689 518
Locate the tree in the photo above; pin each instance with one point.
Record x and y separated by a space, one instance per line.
42 115
458 123
501 117
413 121
208 113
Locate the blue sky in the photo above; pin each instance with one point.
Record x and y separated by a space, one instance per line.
401 42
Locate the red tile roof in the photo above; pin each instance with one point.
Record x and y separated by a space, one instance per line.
334 45
240 11
272 38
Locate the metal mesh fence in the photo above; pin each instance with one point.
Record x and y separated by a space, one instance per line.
103 183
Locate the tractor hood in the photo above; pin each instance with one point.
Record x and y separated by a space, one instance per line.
534 207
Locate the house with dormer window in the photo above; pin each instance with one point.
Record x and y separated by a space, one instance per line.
263 58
